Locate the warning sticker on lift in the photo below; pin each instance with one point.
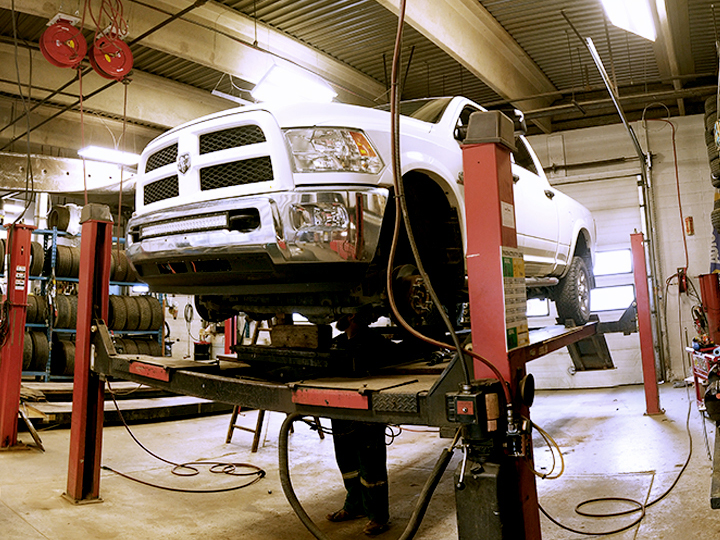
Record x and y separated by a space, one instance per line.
516 324
20 273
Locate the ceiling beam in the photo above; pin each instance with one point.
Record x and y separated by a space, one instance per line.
671 48
221 38
470 35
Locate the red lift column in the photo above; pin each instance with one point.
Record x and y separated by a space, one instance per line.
88 390
647 349
494 265
11 355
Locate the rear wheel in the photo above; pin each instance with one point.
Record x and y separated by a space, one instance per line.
572 298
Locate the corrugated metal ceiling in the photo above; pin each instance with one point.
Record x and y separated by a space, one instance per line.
360 33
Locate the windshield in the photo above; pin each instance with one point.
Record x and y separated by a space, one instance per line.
427 110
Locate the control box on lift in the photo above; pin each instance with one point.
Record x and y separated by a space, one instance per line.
480 403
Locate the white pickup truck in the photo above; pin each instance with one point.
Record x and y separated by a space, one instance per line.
288 209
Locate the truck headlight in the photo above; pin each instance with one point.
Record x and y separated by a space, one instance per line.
332 149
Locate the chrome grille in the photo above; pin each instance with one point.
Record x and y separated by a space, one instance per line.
237 173
162 157
230 138
159 190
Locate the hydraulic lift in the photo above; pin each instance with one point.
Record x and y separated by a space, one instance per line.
496 494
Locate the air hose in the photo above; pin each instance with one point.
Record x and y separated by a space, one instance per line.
415 519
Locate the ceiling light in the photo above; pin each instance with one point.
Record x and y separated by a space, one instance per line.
281 84
111 156
632 15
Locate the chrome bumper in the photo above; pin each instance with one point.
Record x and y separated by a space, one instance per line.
312 225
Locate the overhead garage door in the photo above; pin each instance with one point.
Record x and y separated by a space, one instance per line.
615 203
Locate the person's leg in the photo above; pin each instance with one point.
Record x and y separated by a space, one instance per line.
346 440
372 455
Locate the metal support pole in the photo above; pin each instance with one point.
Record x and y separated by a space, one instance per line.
88 390
647 351
492 241
11 355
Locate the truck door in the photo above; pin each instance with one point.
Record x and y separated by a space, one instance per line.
536 213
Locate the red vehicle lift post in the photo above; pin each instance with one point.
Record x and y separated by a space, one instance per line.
647 350
83 484
11 355
491 242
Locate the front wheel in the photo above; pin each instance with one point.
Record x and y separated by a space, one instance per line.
572 298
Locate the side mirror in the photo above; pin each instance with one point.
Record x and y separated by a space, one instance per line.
461 133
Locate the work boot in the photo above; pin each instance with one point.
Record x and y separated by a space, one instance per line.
342 515
373 528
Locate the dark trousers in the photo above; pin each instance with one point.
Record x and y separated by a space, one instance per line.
361 456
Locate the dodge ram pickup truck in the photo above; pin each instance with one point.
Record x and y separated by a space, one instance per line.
274 209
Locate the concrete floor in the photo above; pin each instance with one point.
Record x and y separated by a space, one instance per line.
610 448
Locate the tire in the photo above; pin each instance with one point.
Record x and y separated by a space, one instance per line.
133 312
117 313
709 138
59 217
715 218
715 167
711 105
62 315
37 258
27 352
710 122
572 298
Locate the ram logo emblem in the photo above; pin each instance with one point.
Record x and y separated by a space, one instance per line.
183 163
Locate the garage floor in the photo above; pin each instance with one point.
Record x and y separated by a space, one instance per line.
610 447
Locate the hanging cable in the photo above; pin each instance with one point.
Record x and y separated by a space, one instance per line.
677 185
401 213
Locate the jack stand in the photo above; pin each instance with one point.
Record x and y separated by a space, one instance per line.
88 389
11 355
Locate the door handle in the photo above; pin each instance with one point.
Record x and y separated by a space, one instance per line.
549 193
516 178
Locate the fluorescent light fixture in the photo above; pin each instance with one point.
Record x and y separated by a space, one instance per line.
632 15
281 84
109 155
214 221
230 97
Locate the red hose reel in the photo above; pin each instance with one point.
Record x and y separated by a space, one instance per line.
64 46
111 58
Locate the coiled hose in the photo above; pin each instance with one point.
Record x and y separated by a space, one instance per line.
416 517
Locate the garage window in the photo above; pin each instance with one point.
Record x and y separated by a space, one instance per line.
618 261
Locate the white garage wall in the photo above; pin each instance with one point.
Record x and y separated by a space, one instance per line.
605 184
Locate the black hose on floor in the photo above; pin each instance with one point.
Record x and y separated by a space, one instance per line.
417 515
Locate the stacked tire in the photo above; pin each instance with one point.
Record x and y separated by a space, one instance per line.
37 257
147 346
143 313
63 357
37 309
120 268
35 351
65 315
712 147
67 261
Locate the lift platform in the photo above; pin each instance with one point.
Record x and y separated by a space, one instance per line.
407 393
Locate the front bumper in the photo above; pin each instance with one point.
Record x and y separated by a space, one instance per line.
284 241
